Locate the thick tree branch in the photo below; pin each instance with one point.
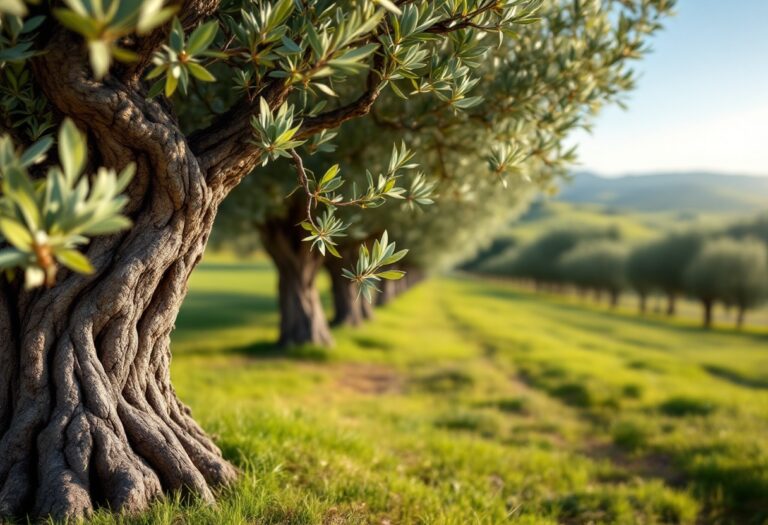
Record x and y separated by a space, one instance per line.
225 149
335 118
358 108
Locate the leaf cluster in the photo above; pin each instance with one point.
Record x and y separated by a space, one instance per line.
46 221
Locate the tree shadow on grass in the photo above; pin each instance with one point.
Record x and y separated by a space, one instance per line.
268 350
735 377
216 310
234 267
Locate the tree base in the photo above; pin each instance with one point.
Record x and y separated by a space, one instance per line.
80 446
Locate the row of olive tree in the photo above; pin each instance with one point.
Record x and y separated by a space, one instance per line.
730 269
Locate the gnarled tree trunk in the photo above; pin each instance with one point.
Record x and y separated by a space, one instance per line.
350 309
88 415
302 319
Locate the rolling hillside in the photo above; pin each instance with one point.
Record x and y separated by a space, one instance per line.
681 192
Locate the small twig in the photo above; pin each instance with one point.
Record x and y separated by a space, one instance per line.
304 181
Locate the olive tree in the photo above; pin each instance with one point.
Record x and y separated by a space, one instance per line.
734 272
643 267
673 253
529 92
597 265
756 227
179 106
539 259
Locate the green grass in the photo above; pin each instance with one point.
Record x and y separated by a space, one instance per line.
470 401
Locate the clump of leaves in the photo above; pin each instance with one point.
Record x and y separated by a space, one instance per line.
181 58
369 270
104 22
45 222
275 132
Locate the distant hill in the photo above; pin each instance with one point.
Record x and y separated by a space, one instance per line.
678 192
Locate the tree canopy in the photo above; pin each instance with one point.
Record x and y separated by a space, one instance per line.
179 105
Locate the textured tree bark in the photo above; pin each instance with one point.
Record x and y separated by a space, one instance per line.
88 415
349 308
302 319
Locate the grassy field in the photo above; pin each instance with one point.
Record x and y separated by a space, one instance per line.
470 401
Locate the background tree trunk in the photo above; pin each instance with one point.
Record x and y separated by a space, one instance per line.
642 302
740 314
671 304
413 276
349 308
388 291
707 304
88 415
302 319
615 295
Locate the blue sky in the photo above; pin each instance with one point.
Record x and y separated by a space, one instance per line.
701 101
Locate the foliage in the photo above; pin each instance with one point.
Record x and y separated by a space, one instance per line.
103 23
732 271
673 254
468 136
369 266
180 59
46 221
313 53
597 265
756 228
643 268
540 259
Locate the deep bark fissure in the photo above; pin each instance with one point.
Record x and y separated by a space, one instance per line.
302 319
88 416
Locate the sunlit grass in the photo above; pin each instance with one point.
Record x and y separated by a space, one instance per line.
469 401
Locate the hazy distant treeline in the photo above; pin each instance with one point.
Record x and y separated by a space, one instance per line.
727 266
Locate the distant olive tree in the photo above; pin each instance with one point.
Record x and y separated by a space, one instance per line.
643 268
734 272
539 260
671 255
597 265
756 228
